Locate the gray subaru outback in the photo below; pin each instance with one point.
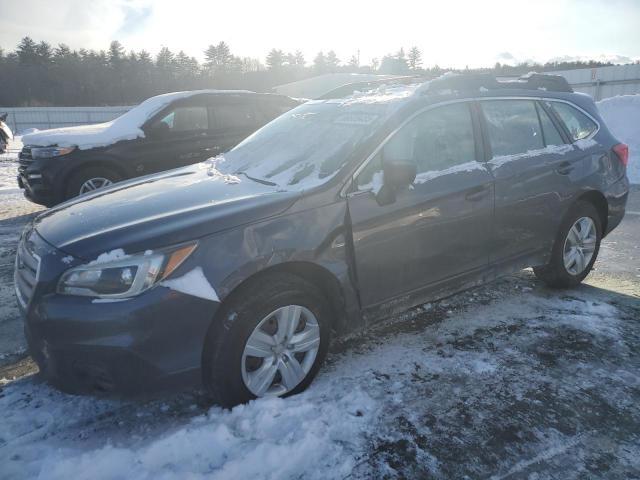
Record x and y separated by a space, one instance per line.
236 272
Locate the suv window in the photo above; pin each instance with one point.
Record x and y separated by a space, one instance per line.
240 115
273 108
578 124
435 140
549 130
513 126
185 119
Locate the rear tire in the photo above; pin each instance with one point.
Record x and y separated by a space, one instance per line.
79 182
228 369
575 249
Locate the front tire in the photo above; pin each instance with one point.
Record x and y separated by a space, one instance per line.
269 339
90 179
576 248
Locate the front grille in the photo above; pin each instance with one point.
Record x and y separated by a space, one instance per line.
26 272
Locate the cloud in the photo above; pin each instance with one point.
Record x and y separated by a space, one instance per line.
79 23
136 19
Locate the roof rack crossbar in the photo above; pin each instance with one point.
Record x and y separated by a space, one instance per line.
480 81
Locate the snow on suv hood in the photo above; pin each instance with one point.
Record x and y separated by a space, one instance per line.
125 127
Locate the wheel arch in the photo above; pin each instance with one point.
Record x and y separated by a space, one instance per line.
313 273
599 201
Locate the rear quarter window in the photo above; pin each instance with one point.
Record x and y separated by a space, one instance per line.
578 124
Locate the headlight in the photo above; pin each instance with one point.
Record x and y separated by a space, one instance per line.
50 152
125 277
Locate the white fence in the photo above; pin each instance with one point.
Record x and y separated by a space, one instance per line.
604 82
42 118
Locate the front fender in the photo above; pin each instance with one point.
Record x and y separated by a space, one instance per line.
316 236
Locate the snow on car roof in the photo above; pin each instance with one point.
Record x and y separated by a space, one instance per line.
125 127
379 95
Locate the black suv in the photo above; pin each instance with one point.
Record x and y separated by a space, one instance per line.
163 132
237 271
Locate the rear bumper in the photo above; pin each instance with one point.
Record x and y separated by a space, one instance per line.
151 342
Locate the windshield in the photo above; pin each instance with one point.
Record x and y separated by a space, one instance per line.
306 146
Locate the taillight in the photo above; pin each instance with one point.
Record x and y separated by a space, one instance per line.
622 151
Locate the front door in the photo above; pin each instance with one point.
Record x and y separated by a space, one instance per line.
437 229
179 136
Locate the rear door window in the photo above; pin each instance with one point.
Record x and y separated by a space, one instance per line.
234 116
273 108
513 126
578 124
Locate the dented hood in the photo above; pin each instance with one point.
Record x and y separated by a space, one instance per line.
159 210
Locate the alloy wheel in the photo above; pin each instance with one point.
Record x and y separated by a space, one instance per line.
280 351
580 245
94 184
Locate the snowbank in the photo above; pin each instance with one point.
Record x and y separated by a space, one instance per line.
125 127
622 115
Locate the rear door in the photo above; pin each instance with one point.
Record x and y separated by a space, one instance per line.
531 161
437 229
233 118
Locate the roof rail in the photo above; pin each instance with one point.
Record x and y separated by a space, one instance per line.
479 81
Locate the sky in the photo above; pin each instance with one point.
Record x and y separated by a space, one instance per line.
450 33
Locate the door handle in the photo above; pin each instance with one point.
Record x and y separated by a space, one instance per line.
565 168
477 193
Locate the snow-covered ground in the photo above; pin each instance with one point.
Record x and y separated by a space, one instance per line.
622 116
515 384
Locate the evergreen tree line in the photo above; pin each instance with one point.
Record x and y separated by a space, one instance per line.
38 74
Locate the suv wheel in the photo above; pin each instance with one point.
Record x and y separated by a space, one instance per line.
575 250
268 341
89 180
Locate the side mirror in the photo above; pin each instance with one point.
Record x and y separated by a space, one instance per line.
398 174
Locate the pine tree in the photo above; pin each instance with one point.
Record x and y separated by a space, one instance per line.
26 51
332 61
320 63
414 59
275 59
116 54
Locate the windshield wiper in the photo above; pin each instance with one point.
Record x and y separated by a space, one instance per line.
259 180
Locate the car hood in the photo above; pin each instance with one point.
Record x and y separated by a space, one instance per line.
159 210
84 136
